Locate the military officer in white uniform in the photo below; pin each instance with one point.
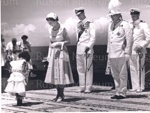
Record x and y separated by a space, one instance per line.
119 50
85 41
141 39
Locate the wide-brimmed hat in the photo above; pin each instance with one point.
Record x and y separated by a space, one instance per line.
114 7
113 12
79 10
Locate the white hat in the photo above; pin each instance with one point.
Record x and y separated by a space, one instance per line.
113 12
52 15
135 11
114 7
79 10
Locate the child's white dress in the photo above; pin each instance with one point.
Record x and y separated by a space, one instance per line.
17 79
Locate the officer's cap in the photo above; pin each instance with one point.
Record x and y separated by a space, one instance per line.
134 11
79 10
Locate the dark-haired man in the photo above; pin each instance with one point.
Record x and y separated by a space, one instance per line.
85 42
141 39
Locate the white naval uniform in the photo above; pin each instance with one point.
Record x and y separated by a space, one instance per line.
87 39
116 49
141 37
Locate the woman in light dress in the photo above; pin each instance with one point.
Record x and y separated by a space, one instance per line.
19 77
59 70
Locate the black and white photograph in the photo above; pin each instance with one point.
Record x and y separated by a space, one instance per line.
75 56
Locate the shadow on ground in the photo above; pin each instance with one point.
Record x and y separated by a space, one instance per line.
137 96
29 103
73 99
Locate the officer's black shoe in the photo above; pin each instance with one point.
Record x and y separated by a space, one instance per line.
114 97
120 97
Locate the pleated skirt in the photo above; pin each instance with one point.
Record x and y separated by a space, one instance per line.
59 69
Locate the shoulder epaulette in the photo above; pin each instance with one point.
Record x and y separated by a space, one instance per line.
87 24
142 21
131 22
125 20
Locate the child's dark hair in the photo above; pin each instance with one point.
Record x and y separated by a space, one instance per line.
25 55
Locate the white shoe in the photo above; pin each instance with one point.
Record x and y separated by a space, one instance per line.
136 90
139 90
87 91
81 89
132 90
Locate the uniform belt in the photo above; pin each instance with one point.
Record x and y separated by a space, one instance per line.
16 70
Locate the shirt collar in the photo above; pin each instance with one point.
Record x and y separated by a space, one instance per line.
83 21
136 22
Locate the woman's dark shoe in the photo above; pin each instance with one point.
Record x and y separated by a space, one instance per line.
61 98
55 99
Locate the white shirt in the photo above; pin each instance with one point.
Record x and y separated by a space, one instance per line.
87 39
117 38
10 46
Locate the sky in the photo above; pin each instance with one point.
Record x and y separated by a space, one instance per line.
27 17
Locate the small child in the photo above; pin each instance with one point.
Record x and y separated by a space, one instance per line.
19 77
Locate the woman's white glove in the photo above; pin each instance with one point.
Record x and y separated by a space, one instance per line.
58 44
